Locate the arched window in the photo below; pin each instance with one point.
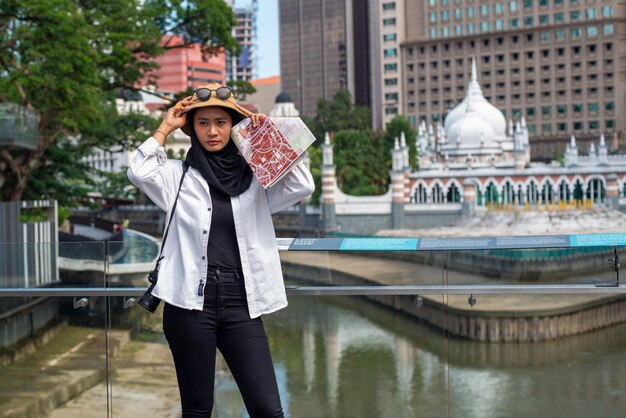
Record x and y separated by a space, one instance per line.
578 191
595 191
532 193
491 194
453 195
438 195
420 195
546 193
564 191
508 193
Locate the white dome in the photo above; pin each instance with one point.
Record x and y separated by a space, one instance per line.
476 103
471 131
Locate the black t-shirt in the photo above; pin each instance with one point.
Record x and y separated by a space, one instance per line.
223 250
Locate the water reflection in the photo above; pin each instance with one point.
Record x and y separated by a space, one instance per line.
342 357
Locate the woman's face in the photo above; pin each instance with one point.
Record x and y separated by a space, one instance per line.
212 125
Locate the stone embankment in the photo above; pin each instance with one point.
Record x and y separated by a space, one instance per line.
68 364
494 318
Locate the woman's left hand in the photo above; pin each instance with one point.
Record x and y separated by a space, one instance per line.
257 118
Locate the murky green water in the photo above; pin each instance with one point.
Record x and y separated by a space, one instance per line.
342 357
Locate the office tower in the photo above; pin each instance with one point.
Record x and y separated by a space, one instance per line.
554 62
242 66
387 28
352 44
318 49
183 68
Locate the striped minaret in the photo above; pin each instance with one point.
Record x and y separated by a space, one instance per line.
397 186
469 197
329 183
612 191
405 166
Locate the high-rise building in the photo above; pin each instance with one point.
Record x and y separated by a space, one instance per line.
182 68
242 66
327 45
557 63
387 29
318 49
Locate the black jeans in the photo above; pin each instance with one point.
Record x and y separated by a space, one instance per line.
224 323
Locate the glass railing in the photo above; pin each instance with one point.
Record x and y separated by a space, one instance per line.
374 327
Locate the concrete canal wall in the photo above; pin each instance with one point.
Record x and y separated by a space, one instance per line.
520 265
507 321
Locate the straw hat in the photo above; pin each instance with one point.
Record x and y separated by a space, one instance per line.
213 100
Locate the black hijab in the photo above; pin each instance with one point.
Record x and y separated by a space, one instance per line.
225 170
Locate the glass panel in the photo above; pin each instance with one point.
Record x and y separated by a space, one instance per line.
51 352
53 357
341 356
580 265
143 369
81 264
517 354
129 261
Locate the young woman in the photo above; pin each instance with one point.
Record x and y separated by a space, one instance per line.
220 269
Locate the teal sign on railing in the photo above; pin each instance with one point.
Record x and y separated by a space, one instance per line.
464 243
598 240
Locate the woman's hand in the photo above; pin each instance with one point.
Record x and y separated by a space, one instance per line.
172 120
257 118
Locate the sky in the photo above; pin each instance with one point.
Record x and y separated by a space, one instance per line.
268 46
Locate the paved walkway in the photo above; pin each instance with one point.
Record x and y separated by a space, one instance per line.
395 272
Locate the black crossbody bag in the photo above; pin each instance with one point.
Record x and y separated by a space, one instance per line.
148 300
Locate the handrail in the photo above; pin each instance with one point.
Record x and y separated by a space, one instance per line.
608 240
350 290
506 242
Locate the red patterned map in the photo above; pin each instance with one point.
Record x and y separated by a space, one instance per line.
267 151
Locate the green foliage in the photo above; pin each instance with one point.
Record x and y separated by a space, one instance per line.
337 115
242 89
360 155
360 169
68 59
33 215
116 185
395 127
115 132
315 158
63 214
65 178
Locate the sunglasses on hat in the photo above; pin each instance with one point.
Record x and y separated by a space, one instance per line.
204 93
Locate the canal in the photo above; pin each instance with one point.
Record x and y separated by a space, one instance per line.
347 357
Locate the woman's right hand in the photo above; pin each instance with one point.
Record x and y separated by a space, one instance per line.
173 119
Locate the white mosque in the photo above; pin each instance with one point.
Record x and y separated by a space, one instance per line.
477 160
477 146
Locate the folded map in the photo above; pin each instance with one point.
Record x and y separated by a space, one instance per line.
273 147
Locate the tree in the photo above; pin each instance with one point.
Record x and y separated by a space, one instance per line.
360 156
339 114
67 59
395 127
362 162
242 89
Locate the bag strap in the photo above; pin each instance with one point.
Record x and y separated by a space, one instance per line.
167 228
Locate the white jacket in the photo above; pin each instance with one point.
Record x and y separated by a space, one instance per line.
184 266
